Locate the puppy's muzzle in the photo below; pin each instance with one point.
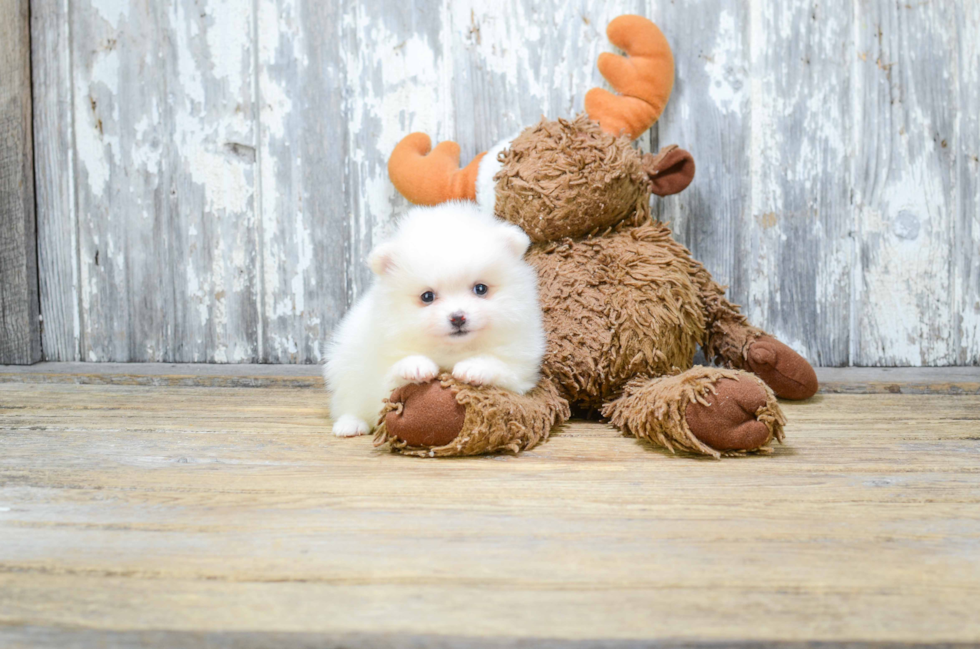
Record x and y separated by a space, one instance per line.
458 321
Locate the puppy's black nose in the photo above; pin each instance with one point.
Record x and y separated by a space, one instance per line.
457 319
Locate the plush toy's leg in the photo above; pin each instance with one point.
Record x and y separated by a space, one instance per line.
733 342
446 418
706 410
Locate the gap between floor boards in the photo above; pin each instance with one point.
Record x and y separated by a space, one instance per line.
833 380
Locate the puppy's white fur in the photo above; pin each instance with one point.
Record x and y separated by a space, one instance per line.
391 337
486 186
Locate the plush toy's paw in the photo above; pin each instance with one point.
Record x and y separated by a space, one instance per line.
783 370
728 422
429 415
350 426
476 371
414 369
706 410
447 418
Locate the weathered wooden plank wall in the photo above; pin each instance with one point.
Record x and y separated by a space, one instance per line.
211 173
20 326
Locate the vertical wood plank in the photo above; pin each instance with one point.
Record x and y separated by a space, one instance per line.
399 80
20 334
797 246
708 114
966 241
54 177
904 184
165 146
215 264
303 155
118 70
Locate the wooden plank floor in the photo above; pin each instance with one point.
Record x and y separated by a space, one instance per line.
174 515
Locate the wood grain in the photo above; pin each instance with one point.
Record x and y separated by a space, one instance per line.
218 511
172 374
20 328
398 75
904 185
517 62
797 251
302 154
966 230
833 380
165 144
709 115
54 178
240 170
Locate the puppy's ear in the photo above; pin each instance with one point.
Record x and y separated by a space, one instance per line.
515 239
382 259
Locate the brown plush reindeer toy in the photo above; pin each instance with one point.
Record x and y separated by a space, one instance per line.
625 306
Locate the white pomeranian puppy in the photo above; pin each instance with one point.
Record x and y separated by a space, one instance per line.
452 292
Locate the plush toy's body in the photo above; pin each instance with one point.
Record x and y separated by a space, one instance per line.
625 306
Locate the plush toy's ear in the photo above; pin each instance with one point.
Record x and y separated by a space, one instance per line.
670 171
515 239
382 259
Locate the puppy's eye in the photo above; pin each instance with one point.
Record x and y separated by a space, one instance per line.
480 289
428 297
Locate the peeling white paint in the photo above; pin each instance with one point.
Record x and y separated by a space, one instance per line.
907 309
824 192
727 87
112 11
229 40
401 83
502 57
97 139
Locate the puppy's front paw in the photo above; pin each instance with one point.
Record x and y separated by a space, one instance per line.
415 369
476 371
350 426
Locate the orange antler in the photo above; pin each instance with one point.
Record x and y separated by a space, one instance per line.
426 178
643 79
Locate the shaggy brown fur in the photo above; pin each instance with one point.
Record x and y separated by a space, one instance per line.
657 409
496 420
616 306
569 178
625 308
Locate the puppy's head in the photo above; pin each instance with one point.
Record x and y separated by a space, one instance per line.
453 275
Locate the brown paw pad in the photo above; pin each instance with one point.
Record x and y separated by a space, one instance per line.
430 415
788 374
728 422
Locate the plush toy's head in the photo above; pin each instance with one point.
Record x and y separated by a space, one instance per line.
567 178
